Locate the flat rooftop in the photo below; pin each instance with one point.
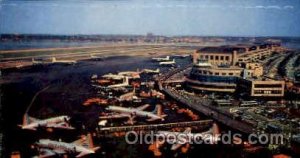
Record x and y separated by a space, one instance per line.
221 49
240 48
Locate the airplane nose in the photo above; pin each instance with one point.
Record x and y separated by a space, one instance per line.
25 127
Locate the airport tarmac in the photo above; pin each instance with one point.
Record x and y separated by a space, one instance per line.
69 87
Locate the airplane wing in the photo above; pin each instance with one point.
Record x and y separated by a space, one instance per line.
114 116
131 120
151 119
43 153
86 142
187 130
184 140
82 154
176 146
32 119
143 107
63 125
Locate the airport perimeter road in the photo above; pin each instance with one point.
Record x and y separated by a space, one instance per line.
290 66
271 67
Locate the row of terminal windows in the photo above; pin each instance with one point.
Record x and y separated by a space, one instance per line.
267 85
216 73
267 92
213 86
214 57
224 79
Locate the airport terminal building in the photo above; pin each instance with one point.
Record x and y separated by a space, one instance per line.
227 69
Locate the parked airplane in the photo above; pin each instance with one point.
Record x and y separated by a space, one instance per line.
212 136
130 74
172 62
113 76
94 57
149 71
31 123
167 58
54 60
124 84
83 146
130 96
182 56
36 62
131 113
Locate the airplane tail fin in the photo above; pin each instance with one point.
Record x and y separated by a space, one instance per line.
127 80
26 120
168 57
87 142
187 130
158 111
215 129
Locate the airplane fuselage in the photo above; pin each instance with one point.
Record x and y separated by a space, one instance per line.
162 59
46 123
133 112
167 62
63 146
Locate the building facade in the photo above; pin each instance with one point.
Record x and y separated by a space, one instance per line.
261 87
224 69
207 77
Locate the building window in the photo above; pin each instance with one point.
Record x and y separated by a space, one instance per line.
276 92
267 92
267 86
211 57
222 57
217 74
217 57
206 56
258 92
227 58
230 74
224 74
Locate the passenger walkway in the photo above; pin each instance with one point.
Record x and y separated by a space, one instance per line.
202 123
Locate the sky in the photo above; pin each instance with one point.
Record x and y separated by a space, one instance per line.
160 17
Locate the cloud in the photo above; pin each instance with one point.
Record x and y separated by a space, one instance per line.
156 5
9 4
274 7
288 7
267 7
